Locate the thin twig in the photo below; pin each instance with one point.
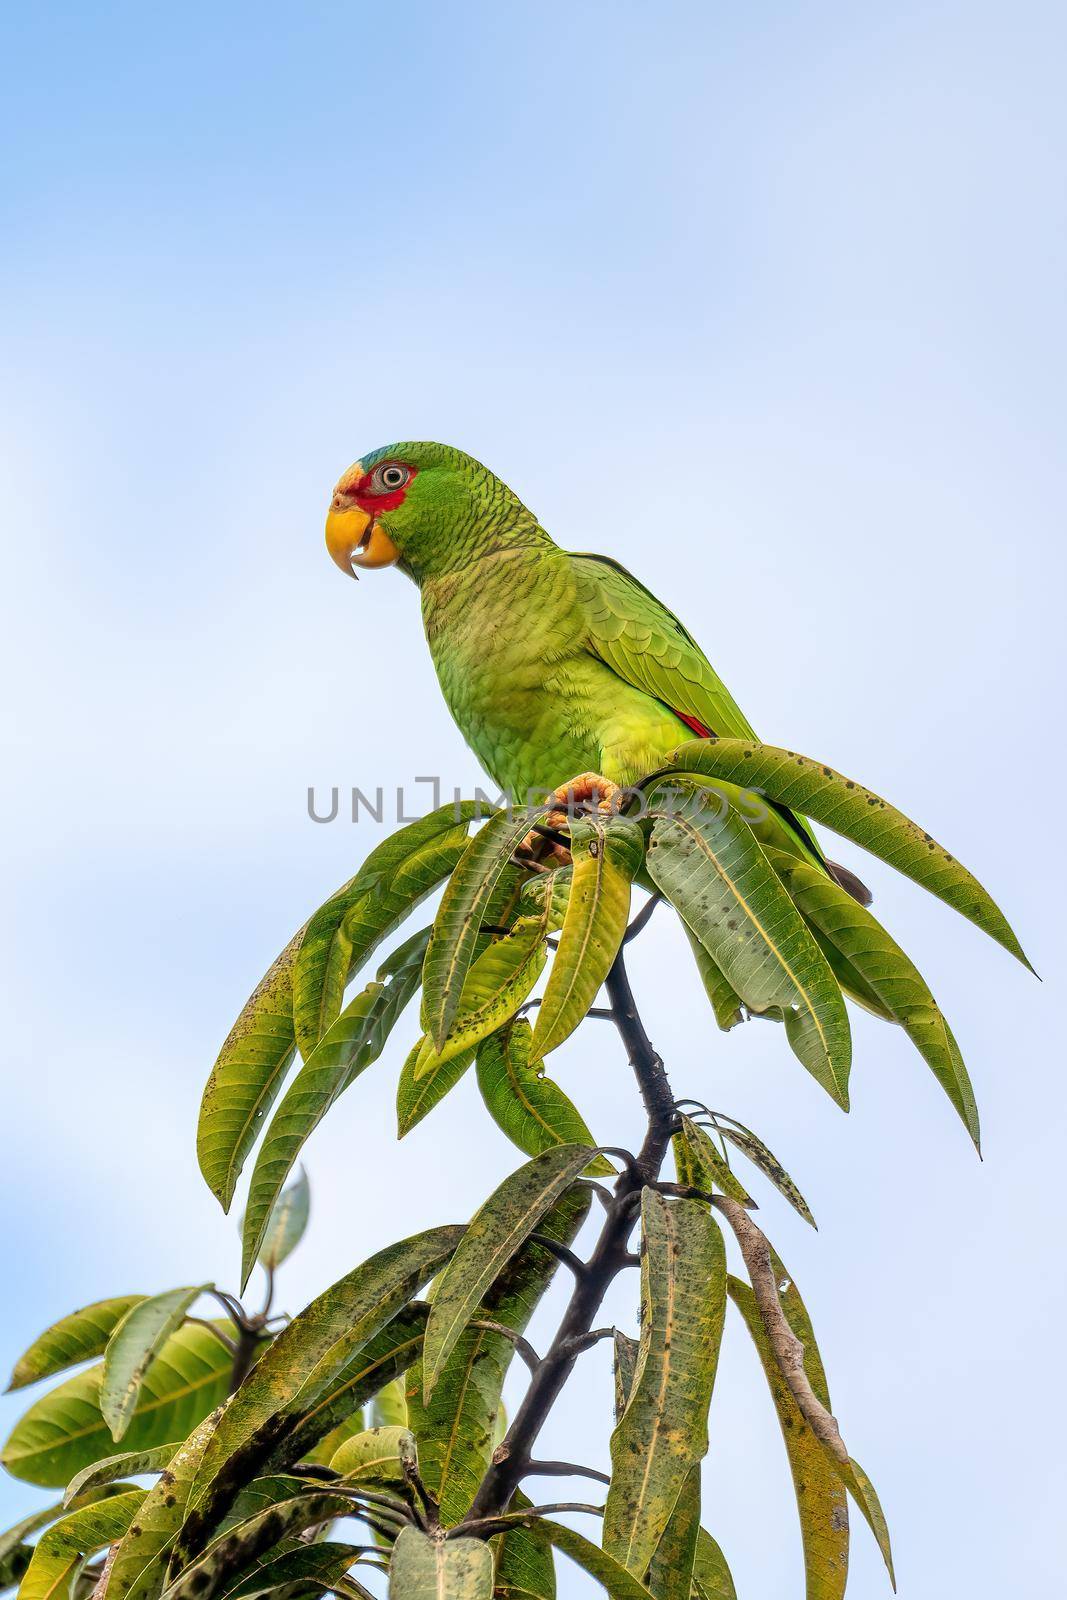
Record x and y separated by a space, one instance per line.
642 919
586 1341
564 1469
561 1252
523 1347
223 1338
788 1349
485 1527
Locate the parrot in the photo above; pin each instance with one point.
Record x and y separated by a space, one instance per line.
552 663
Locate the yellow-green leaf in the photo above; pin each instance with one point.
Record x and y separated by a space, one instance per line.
74 1338
607 852
439 1569
745 1140
60 1551
130 1464
712 1579
529 1108
132 1348
509 1216
671 1570
139 1569
375 1453
497 983
65 1430
725 1003
815 790
240 1546
663 1432
617 1582
701 1166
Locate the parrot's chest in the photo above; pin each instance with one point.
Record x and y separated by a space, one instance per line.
506 639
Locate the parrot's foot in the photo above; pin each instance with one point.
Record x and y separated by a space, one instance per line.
589 791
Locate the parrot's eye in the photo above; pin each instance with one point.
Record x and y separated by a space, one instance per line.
388 477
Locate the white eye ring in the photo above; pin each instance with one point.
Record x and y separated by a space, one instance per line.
391 476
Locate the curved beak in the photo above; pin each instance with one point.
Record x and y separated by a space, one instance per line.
355 539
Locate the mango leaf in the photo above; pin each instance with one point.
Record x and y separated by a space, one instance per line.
850 1472
817 791
548 894
234 1551
350 1045
389 1408
139 1568
375 1365
497 983
712 1579
74 1338
65 1430
439 1569
376 1453
625 1352
14 1536
618 1583
523 1565
415 1097
457 1428
745 1140
286 1224
132 1348
710 866
500 1225
607 852
820 1494
301 1367
671 1570
895 981
700 1165
725 1003
59 1552
306 1569
130 1464
529 1108
663 1433
411 952
396 876
462 912
245 1080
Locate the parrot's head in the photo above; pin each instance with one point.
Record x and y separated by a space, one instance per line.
428 508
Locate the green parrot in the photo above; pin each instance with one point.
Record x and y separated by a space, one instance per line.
552 663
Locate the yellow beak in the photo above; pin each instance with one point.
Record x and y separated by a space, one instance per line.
354 539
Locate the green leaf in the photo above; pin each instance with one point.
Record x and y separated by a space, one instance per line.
500 1225
820 1494
395 877
65 1430
236 1550
439 1569
78 1337
14 1536
745 1140
712 1579
13 1565
548 894
625 1352
497 983
725 1003
671 1570
700 1165
350 1045
817 791
663 1432
376 1453
529 1108
139 1570
524 1567
286 1224
301 1367
389 1408
306 1569
132 1348
245 1079
710 866
130 1464
611 1574
59 1552
607 852
416 1096
461 914
376 1364
895 981
850 1472
457 1428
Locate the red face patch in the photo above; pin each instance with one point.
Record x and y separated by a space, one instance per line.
383 489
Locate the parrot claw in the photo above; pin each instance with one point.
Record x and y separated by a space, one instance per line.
579 794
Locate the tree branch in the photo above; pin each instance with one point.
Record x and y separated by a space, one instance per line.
511 1460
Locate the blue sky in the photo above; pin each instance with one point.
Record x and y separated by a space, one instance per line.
765 301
